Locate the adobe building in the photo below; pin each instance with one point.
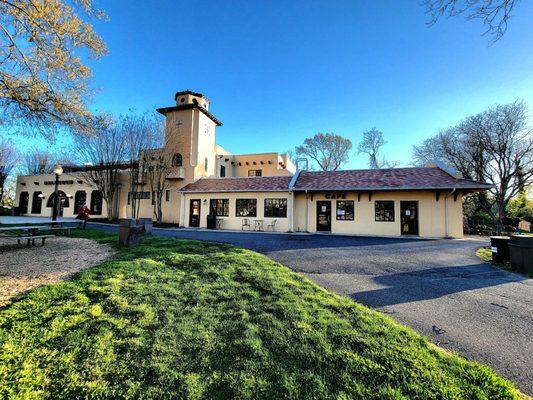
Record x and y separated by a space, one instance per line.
264 191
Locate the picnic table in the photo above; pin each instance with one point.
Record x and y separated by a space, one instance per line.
29 233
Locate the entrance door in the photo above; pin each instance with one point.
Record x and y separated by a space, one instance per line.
194 213
409 217
323 216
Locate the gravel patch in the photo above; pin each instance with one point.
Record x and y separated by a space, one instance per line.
24 268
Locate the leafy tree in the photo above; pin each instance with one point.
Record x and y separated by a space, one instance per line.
328 150
494 14
495 146
521 207
43 81
8 161
371 144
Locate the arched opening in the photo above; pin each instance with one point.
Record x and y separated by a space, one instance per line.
23 202
36 203
177 160
80 198
63 202
97 200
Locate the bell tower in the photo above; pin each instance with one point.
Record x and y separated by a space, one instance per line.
190 135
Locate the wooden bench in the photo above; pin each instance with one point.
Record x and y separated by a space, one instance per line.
29 238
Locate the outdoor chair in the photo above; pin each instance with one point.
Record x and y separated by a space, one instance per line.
272 225
245 223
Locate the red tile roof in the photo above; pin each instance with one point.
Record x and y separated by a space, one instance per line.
243 184
359 179
384 179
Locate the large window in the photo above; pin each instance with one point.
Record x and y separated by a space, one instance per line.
222 171
275 208
80 199
255 172
177 160
384 211
97 200
345 210
246 208
36 203
219 207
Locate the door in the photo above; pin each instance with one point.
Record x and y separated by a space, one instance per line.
323 216
409 217
194 213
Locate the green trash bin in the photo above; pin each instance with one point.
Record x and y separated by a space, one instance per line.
521 253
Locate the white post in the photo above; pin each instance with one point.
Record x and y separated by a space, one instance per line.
181 221
290 211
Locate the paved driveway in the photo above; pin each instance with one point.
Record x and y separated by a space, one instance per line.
437 287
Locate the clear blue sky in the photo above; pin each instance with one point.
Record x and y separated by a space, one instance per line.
277 72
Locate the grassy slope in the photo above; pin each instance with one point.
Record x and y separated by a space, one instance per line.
184 319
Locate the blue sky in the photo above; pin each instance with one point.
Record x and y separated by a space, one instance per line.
277 72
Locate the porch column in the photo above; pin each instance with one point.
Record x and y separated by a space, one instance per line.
181 221
290 211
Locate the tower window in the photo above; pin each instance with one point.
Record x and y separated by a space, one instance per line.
206 164
182 99
177 160
195 101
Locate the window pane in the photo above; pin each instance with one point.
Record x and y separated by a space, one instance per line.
275 208
246 208
219 207
384 210
345 210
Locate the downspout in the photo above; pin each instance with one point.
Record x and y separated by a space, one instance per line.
446 235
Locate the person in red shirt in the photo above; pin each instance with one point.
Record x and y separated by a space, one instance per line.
83 215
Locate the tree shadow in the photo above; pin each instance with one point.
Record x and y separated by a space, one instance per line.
433 283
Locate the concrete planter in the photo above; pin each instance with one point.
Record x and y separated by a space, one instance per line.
130 232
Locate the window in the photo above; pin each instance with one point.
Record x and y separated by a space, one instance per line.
222 171
219 207
36 203
153 198
384 210
61 196
177 160
182 99
167 195
205 161
96 202
345 210
79 199
246 208
275 208
255 172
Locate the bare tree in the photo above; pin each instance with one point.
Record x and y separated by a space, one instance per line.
38 161
495 146
8 161
105 151
494 14
139 132
371 145
43 80
158 163
328 150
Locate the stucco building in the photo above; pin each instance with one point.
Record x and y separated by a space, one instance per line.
265 191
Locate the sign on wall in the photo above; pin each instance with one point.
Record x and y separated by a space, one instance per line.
335 195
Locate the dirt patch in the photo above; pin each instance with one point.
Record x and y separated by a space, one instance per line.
24 268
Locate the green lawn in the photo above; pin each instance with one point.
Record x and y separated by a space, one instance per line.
190 320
